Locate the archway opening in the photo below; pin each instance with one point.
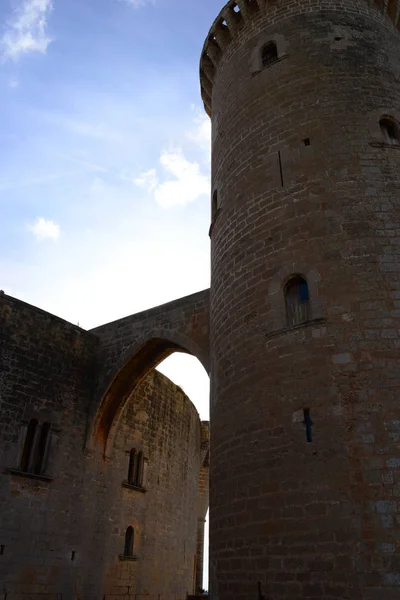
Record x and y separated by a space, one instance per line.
187 373
184 363
136 365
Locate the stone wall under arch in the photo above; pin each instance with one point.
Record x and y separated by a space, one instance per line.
62 530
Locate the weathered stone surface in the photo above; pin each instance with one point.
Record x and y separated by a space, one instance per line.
306 185
62 532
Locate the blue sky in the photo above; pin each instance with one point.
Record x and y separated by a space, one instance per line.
104 170
105 159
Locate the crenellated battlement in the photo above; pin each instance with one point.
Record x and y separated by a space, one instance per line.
231 20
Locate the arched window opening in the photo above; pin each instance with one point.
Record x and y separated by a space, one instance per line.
28 445
132 466
390 130
269 54
214 206
129 540
41 449
297 301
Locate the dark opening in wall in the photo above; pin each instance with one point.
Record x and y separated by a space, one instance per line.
132 466
73 555
308 424
129 540
136 468
28 445
390 130
139 470
1 549
269 54
297 300
41 448
214 206
307 142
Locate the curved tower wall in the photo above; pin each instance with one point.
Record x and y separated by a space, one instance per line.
304 183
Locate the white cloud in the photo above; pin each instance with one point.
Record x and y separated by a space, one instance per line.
26 31
147 180
184 182
138 3
201 133
44 229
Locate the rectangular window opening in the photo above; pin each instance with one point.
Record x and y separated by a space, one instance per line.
308 424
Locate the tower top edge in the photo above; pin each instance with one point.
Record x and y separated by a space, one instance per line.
234 16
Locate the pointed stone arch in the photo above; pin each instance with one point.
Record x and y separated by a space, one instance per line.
133 346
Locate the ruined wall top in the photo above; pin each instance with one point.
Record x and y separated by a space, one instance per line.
237 13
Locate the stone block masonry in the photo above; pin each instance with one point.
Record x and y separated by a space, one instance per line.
305 243
76 524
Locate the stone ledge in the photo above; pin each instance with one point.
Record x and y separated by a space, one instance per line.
19 473
385 145
310 323
271 64
136 488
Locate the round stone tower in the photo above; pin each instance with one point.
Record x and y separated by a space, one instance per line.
304 97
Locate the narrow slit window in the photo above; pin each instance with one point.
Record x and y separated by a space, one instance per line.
308 424
139 470
129 540
390 130
297 301
41 449
269 54
28 445
132 466
214 206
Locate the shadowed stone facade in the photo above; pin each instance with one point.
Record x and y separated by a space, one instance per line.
63 526
300 332
304 98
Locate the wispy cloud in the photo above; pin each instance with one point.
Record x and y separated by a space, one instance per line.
183 181
138 3
84 128
86 165
26 30
200 134
44 229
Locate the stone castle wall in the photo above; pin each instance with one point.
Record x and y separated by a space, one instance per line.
62 530
306 185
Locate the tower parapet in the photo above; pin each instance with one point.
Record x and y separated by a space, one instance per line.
237 13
